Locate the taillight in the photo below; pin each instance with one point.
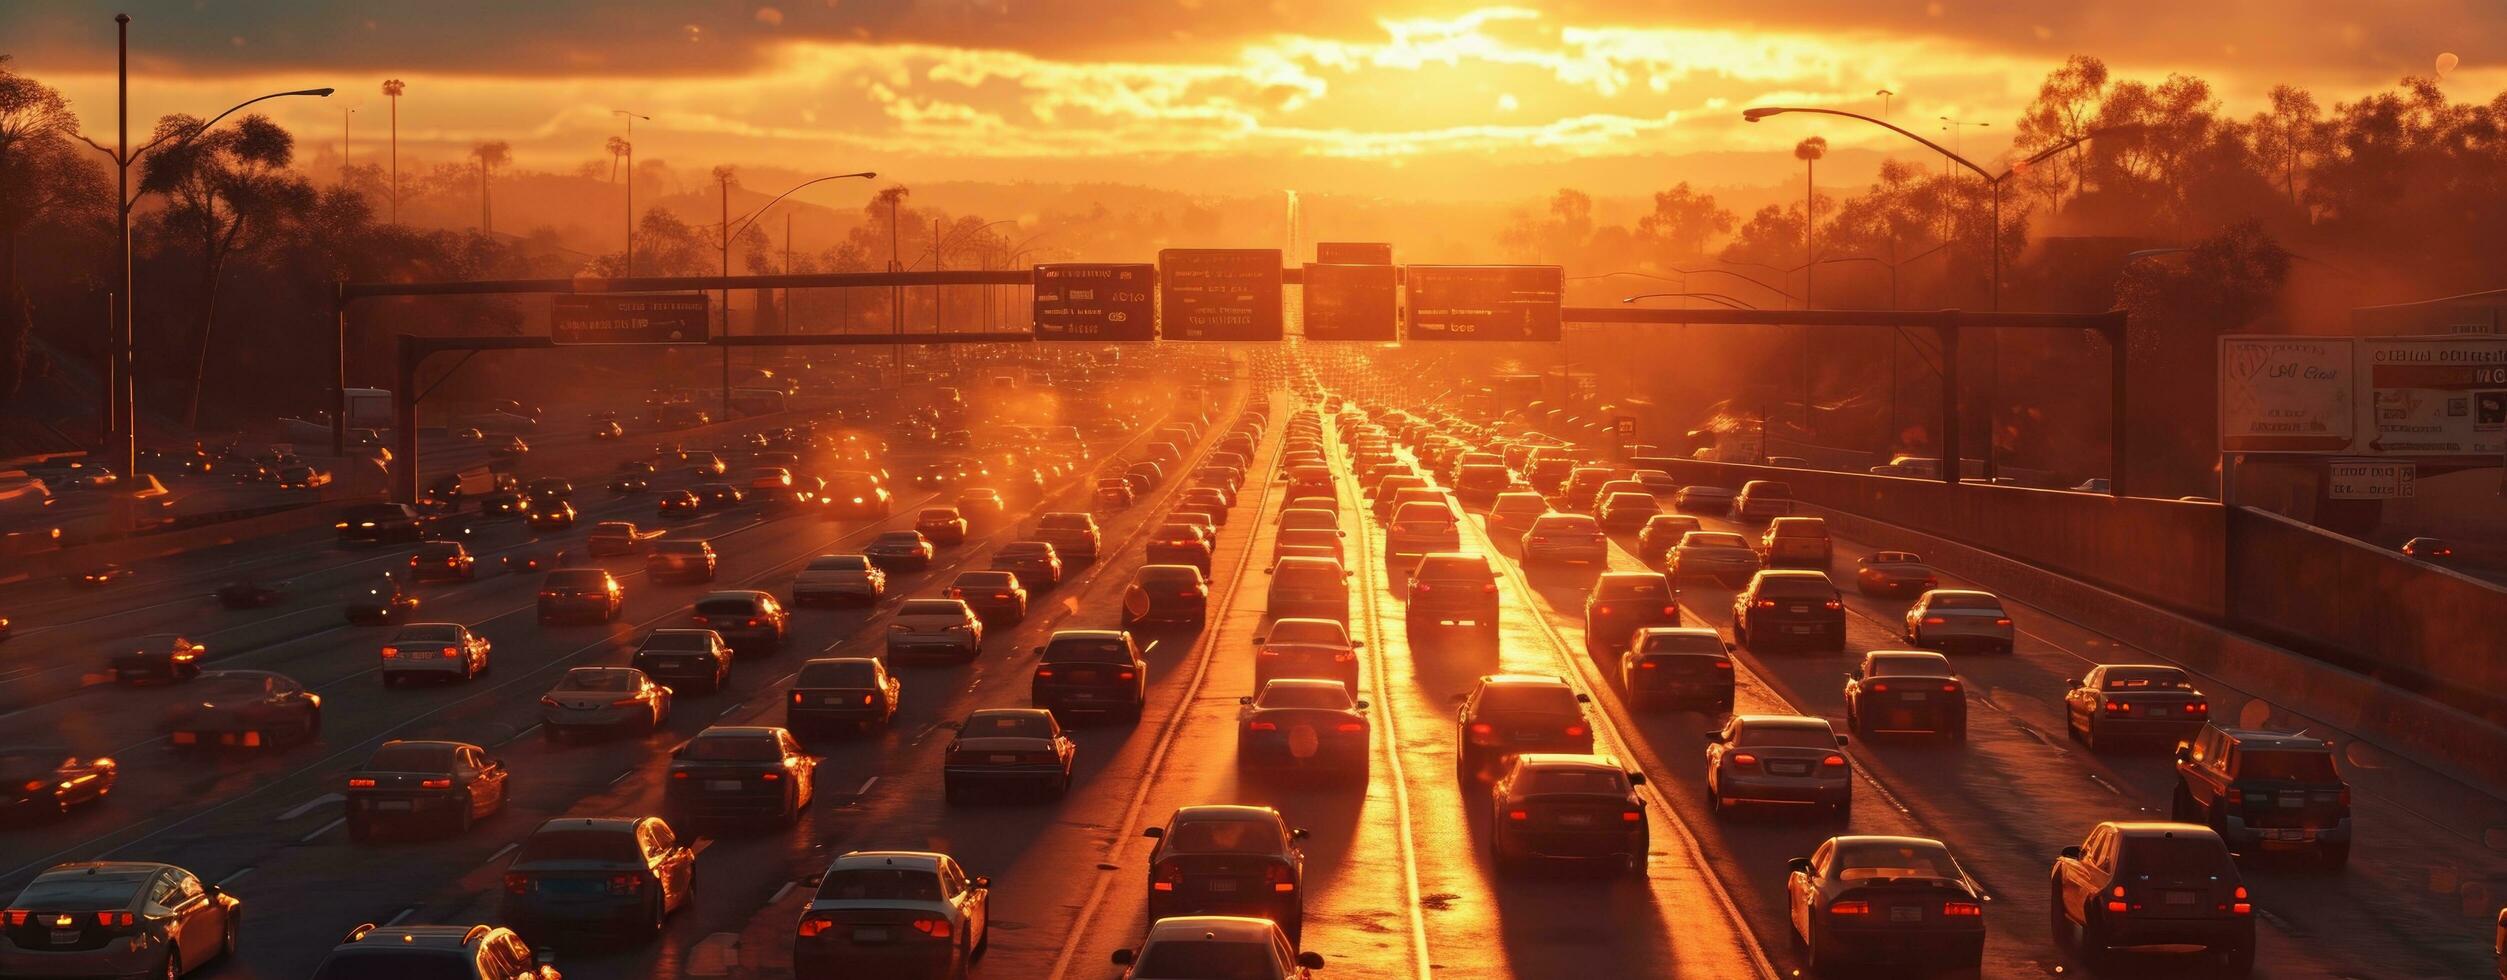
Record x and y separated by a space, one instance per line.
752 620
2119 707
391 653
772 777
1833 761
1934 620
1962 910
2003 621
517 884
1601 610
1671 610
2198 708
1742 759
935 928
697 619
2242 906
1723 665
812 925
1765 603
1354 727
360 782
1125 675
1044 671
17 917
452 652
1850 907
435 784
1490 589
1631 816
1420 587
1518 815
1949 688
1578 731
626 884
550 702
2236 797
116 920
1278 876
1166 877
1261 726
1879 687
796 697
1832 604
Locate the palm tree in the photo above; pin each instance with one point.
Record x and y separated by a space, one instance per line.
491 155
1809 151
617 152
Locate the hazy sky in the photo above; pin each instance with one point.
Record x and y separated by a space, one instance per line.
1388 97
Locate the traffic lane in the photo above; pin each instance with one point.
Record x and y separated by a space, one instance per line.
1544 921
2424 885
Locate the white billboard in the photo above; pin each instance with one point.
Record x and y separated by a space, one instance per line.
2369 396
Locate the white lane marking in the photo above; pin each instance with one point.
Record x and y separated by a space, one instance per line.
309 806
865 787
319 831
621 777
526 731
239 874
1389 727
501 852
783 891
400 915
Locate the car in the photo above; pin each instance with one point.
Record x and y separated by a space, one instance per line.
39 781
1959 619
1420 527
1628 511
381 604
1796 541
943 525
852 691
1037 564
900 549
1622 603
981 504
730 773
166 657
2147 883
1451 588
1513 512
509 447
1208 502
1177 543
1504 715
1685 665
1697 499
1309 542
1215 859
1111 494
833 578
1186 946
2265 791
1894 573
1162 593
705 464
244 708
474 952
1872 901
692 660
1008 746
549 488
1761 500
1074 536
2435 551
747 619
856 494
1660 533
684 559
579 593
1481 483
1782 760
608 431
1565 537
2115 703
1722 557
1789 606
717 497
1567 807
617 538
1308 587
118 919
604 699
997 597
904 914
1302 647
628 873
1302 723
442 560
1090 670
944 626
445 786
377 523
1898 691
433 650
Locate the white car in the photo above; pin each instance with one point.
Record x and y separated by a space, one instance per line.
1953 618
1182 947
947 626
1420 527
830 578
433 650
894 913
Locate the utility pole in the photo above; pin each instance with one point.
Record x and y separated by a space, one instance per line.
631 117
125 394
896 296
392 88
344 113
722 179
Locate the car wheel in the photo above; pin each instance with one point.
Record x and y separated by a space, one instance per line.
469 814
2058 925
1845 809
226 937
2093 942
2181 806
2336 856
658 915
173 964
1818 958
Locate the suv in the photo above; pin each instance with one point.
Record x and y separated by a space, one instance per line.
448 952
1800 606
1073 535
1796 541
2265 789
1763 499
1622 603
944 625
1092 670
2150 884
1451 587
589 592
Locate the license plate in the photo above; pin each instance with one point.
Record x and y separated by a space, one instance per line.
2294 835
2158 712
1003 760
2180 897
1801 629
1918 695
64 937
722 784
1906 913
870 935
1801 608
831 700
1221 885
1528 736
1576 819
401 805
1788 768
2293 800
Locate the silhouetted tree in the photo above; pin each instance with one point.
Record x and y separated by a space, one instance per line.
229 191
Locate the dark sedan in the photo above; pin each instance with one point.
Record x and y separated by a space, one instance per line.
1302 723
856 691
441 786
739 772
166 657
1567 807
247 708
627 872
1008 746
1897 691
1872 901
38 782
1229 860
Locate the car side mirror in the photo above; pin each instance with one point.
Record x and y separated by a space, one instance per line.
1855 674
983 881
1357 644
2184 751
674 753
1310 960
545 959
1636 779
1122 957
1244 700
1458 698
1841 741
1802 865
1040 651
1297 834
1731 647
2071 682
2072 852
1153 833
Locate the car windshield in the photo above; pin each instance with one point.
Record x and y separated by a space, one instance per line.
1007 724
1867 860
1094 650
427 634
679 640
880 885
80 892
1318 632
1632 587
599 679
2199 854
396 963
1223 836
584 844
2286 766
839 673
2145 679
1584 782
1964 600
1208 958
732 748
839 563
1329 695
1909 667
727 606
933 607
1546 699
1787 737
1712 539
412 757
591 579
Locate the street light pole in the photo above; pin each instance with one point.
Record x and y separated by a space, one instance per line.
631 117
391 89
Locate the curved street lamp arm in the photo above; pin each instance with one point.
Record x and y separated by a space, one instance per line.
1754 115
752 216
1717 298
194 132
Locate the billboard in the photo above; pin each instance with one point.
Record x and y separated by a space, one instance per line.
1350 302
2368 396
2371 479
1095 302
608 318
1485 302
1219 293
1353 253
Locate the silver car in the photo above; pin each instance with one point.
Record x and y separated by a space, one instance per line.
1565 537
831 578
945 626
1778 759
604 699
1954 618
1722 556
444 650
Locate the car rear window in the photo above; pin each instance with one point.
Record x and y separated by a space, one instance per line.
438 549
2286 765
1307 631
1794 587
1223 836
1643 501
1712 539
940 514
843 674
412 757
1076 522
1684 643
1787 736
1093 650
726 606
1803 530
577 579
1006 725
80 893
585 844
1910 667
430 633
1632 587
1330 696
900 538
1456 568
680 547
599 679
985 580
1208 958
679 640
2145 679
932 607
1874 860
880 885
1547 699
1768 489
1170 575
1423 513
1589 782
1964 600
839 563
732 748
2195 854
1565 524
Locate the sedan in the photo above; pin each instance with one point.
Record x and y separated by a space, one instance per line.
1565 537
2120 702
1184 946
997 597
1229 860
248 708
443 786
739 772
1008 746
1567 807
1873 901
604 699
942 525
1038 564
43 782
900 549
1778 759
117 919
440 650
855 691
1299 723
1954 618
1906 691
893 914
167 657
1894 573
628 872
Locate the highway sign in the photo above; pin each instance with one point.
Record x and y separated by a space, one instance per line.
1353 253
2371 479
2286 394
2369 396
1350 302
1485 302
1095 302
1219 293
606 318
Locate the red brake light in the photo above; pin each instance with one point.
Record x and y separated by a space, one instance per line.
1671 610
2236 797
771 777
935 928
1723 665
1577 731
1743 759
1044 671
452 652
2002 621
1950 688
17 917
360 782
1957 910
1518 815
1490 588
2119 707
1934 620
796 697
1261 726
2117 905
1631 816
1169 874
1880 687
391 653
626 884
1765 603
1833 761
1352 727
1645 665
1602 610
115 919
1482 728
2198 708
1125 675
518 884
1850 907
813 925
1832 604
435 784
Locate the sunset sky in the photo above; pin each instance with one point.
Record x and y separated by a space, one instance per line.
1393 97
